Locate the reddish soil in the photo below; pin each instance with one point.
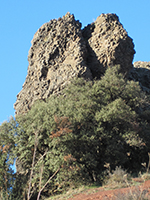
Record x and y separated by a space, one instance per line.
116 194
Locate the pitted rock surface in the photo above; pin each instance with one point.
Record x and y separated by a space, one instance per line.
61 50
57 54
108 45
141 73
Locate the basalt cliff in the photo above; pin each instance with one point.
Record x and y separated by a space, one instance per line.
61 50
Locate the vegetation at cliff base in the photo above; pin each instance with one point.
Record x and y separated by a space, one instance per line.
71 139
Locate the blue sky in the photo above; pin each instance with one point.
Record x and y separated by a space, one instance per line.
20 19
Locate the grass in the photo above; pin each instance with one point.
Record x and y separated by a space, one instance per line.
118 178
136 194
72 192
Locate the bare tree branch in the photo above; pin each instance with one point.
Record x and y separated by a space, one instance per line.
33 162
39 194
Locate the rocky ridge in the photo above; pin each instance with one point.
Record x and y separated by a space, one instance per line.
62 50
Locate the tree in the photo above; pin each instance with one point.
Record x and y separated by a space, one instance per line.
69 140
6 159
39 150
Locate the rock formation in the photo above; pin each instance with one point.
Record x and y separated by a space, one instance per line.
141 73
61 50
108 44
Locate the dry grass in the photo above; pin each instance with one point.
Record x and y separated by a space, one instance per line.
133 194
118 178
71 192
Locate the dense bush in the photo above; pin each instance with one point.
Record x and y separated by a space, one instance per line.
70 139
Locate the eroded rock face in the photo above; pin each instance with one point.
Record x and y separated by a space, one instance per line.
58 53
61 50
108 45
141 73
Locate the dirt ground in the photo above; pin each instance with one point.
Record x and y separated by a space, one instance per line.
137 192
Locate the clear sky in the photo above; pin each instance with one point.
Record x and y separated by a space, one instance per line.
20 19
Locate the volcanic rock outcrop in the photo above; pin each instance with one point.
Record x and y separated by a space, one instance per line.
62 50
108 44
141 73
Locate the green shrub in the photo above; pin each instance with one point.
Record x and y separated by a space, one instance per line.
93 123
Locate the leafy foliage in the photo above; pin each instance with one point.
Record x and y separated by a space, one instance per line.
68 140
7 146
